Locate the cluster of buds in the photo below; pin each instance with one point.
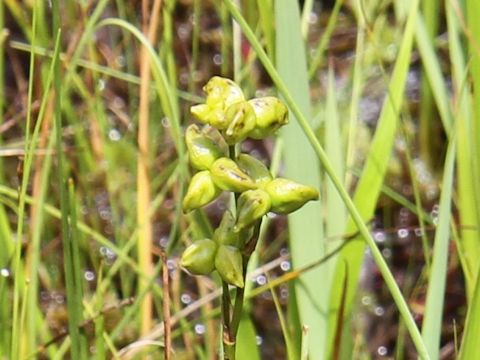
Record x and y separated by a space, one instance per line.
228 119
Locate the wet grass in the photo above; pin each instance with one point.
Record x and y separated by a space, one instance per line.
95 169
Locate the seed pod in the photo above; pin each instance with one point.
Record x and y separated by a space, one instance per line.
199 258
252 205
255 169
270 113
288 196
229 264
228 176
222 92
201 191
202 149
241 120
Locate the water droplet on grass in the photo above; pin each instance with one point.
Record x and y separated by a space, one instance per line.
5 272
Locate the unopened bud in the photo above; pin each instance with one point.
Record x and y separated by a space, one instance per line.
199 257
224 233
222 92
229 264
201 191
270 113
288 196
228 176
252 205
203 150
241 120
255 169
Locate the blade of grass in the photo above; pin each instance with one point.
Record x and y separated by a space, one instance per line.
247 347
472 9
430 10
467 165
469 348
336 214
434 75
370 182
324 40
305 226
73 281
283 324
302 121
16 350
432 321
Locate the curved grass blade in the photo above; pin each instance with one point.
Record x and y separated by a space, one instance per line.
432 322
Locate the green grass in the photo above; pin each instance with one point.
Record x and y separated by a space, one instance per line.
97 111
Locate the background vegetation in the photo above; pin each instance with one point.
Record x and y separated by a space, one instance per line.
384 102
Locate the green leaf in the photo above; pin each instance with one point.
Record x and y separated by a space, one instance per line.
305 226
432 323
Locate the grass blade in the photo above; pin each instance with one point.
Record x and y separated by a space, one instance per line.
432 323
371 180
305 226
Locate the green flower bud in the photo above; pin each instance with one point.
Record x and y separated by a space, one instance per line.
201 112
241 120
224 233
229 264
271 114
222 92
255 169
199 258
252 205
203 149
201 191
228 176
288 196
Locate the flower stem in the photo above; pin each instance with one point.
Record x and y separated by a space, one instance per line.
228 338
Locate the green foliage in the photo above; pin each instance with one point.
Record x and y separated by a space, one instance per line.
102 112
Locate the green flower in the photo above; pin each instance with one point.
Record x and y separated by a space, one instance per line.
270 113
252 205
229 264
199 257
228 176
221 94
241 120
255 169
201 191
203 147
288 196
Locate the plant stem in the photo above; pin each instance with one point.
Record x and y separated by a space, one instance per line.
228 339
240 294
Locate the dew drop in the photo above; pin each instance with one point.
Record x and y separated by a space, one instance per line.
366 300
382 351
261 280
402 233
379 236
5 272
200 329
114 135
379 311
285 265
217 59
89 275
186 299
